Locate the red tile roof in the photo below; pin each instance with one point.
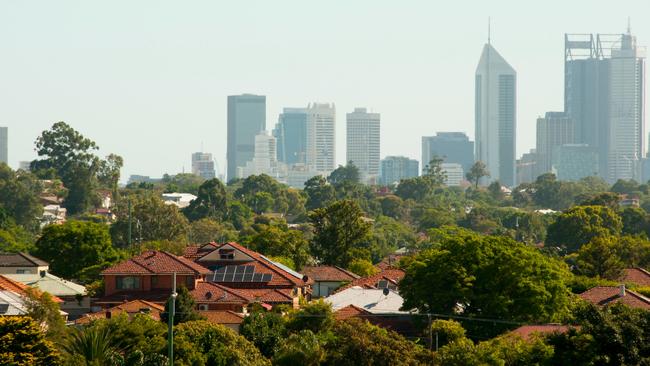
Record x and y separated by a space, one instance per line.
268 295
389 262
604 295
156 262
131 308
527 332
393 275
636 276
350 311
222 317
210 292
329 273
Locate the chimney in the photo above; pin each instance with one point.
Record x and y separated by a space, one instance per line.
622 290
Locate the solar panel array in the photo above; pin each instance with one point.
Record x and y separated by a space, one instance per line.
239 274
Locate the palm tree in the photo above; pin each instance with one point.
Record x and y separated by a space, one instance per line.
96 345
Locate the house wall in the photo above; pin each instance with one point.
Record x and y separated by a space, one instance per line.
74 308
164 282
15 270
324 288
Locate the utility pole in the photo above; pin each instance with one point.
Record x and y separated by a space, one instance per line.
170 322
430 334
129 231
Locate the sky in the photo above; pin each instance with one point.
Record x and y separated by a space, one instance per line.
148 79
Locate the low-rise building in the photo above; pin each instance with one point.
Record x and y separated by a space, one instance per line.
387 278
606 295
327 279
20 263
180 200
130 308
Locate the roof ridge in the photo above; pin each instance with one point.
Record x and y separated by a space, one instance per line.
258 257
643 270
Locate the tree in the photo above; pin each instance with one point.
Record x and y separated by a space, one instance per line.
414 188
46 312
393 206
151 220
301 348
184 308
625 186
265 330
209 230
599 258
184 182
476 172
19 197
580 224
319 193
316 316
109 172
23 343
434 172
635 221
75 245
362 267
338 229
495 191
492 277
348 174
97 346
446 331
280 241
608 199
209 203
68 153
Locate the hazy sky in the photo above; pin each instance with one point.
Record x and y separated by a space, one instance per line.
148 80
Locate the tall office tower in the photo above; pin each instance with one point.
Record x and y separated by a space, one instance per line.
246 118
555 129
363 143
203 165
495 115
395 168
264 160
527 171
604 94
453 147
291 135
4 145
321 138
453 173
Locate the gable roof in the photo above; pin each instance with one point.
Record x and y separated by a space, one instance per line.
8 284
131 308
156 262
350 311
637 276
604 295
222 316
20 260
527 332
329 273
392 275
49 283
372 300
210 292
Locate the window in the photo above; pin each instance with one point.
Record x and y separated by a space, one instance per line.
127 283
189 282
382 284
227 254
22 271
154 281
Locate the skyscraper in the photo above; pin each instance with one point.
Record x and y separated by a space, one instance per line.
321 140
395 168
604 94
555 129
203 165
264 160
363 143
453 147
291 135
495 115
246 119
4 145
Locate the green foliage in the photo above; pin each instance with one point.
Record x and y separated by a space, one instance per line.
446 331
493 277
348 174
264 194
434 173
184 308
599 258
315 316
96 346
109 172
265 330
338 230
87 242
209 230
414 188
279 241
393 207
23 343
209 203
319 193
476 172
580 224
362 267
19 198
44 310
185 183
635 221
303 348
204 343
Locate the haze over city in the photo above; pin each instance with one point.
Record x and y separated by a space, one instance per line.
149 80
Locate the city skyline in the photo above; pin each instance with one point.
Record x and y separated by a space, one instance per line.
404 65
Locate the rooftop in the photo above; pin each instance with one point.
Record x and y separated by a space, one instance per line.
527 332
222 317
636 276
329 273
605 295
20 260
49 283
391 275
156 262
130 308
371 300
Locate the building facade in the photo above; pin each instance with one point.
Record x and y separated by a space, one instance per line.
291 135
363 145
454 173
264 160
555 129
246 119
4 145
453 147
203 165
395 168
321 137
573 162
495 116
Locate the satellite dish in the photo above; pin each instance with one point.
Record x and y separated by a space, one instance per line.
208 295
386 291
305 278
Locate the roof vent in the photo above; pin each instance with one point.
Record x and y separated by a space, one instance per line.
622 290
208 295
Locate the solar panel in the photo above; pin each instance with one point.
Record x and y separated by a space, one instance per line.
267 277
257 277
238 277
239 274
231 269
221 269
248 277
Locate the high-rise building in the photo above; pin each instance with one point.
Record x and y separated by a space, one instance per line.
4 145
453 147
203 165
363 143
246 119
321 137
573 162
495 115
554 130
454 174
604 94
527 171
291 135
264 160
395 168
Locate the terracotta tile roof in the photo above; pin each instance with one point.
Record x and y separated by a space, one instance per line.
20 260
20 288
636 276
155 296
131 308
350 311
527 332
281 277
210 292
392 275
389 262
268 295
604 295
222 317
156 262
329 273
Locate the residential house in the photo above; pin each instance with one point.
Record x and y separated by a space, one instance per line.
636 276
605 295
180 200
21 263
388 278
227 318
327 279
13 298
53 214
530 332
130 308
250 274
